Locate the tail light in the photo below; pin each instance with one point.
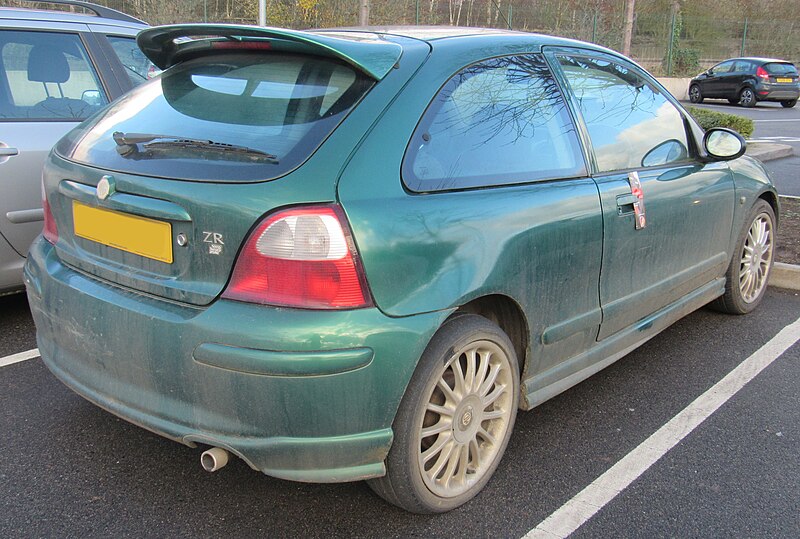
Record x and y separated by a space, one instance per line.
762 73
301 257
50 231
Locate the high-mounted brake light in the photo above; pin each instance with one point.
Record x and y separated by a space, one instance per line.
301 257
242 45
762 73
50 230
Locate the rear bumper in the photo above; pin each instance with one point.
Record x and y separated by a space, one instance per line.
301 395
774 92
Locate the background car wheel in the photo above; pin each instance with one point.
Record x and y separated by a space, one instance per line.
789 104
455 418
695 96
748 273
747 97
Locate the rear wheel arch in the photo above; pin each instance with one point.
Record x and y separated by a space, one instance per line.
508 315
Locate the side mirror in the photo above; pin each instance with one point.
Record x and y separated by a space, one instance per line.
92 97
724 144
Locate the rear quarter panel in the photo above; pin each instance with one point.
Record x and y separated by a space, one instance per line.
539 244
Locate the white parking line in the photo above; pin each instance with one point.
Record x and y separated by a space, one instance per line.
16 358
573 514
785 120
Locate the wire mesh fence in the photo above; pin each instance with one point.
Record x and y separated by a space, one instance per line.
666 40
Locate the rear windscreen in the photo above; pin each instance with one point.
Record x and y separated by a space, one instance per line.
781 69
232 117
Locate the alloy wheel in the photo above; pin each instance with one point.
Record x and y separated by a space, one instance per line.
694 95
747 97
466 418
756 258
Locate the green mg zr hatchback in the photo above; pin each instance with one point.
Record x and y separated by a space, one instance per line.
355 254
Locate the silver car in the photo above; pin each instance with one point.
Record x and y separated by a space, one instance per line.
57 68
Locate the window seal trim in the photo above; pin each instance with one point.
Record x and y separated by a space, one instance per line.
409 152
551 52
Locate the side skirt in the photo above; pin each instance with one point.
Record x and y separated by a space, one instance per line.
546 385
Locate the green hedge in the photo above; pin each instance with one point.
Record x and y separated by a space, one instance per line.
709 118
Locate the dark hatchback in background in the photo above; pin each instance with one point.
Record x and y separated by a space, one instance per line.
747 81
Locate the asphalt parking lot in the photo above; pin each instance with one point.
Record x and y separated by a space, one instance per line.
69 469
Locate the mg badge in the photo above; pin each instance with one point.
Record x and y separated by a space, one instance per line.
105 187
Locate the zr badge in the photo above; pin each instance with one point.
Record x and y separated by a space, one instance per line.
214 241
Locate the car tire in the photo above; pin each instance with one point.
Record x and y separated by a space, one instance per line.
747 97
444 468
751 263
695 95
789 104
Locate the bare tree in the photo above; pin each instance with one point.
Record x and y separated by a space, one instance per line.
627 31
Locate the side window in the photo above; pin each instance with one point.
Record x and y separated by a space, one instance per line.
497 122
724 67
138 68
48 76
742 66
630 123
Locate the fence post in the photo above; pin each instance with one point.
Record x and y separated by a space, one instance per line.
510 13
744 37
594 28
205 10
417 13
671 45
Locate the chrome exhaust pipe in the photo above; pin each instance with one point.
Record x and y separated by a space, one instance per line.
214 459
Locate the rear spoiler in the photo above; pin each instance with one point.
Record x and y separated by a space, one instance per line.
166 46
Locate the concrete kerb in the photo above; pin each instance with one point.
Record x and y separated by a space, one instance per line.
785 276
767 151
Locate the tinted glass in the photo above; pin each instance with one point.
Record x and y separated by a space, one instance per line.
742 66
780 69
497 122
49 77
724 67
274 109
138 68
631 124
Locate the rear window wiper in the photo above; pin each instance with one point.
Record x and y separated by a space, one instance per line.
128 145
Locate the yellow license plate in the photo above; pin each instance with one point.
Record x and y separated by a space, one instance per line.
784 80
138 235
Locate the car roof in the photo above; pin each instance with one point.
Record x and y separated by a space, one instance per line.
440 33
53 15
761 60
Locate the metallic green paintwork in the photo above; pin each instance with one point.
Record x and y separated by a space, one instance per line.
152 207
684 245
364 51
282 363
196 276
292 391
133 355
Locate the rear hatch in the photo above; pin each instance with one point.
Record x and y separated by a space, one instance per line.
159 191
781 72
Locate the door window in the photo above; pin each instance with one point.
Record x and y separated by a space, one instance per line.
48 77
721 69
742 66
138 68
497 122
630 123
